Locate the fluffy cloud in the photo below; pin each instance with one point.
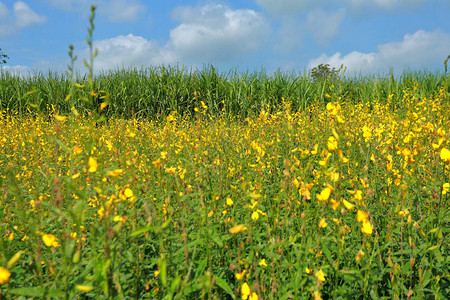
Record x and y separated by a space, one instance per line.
417 50
25 16
130 50
212 33
22 16
324 26
216 32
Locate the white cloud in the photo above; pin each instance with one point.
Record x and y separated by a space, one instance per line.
130 50
216 32
212 33
22 16
17 70
324 26
207 34
419 50
25 16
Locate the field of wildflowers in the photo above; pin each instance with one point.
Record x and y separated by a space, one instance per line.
169 185
340 200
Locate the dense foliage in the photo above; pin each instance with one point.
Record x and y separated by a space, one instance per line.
153 92
344 200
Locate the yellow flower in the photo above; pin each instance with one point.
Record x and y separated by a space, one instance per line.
317 295
77 150
348 205
4 275
255 216
406 152
238 228
50 240
323 223
361 216
210 214
445 188
253 205
334 204
163 155
157 273
115 172
320 275
445 155
170 118
101 212
92 163
366 227
308 270
332 143
253 296
171 170
128 193
240 276
263 263
118 219
403 213
157 162
245 290
229 202
324 195
358 195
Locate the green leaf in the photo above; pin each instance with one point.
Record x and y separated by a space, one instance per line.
36 292
223 284
152 228
201 267
62 145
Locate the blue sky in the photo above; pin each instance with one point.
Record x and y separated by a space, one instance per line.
366 36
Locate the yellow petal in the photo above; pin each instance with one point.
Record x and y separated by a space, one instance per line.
245 290
323 223
445 155
366 227
263 263
238 228
361 216
320 275
92 163
4 275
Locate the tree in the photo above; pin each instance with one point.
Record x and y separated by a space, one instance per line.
3 57
324 71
